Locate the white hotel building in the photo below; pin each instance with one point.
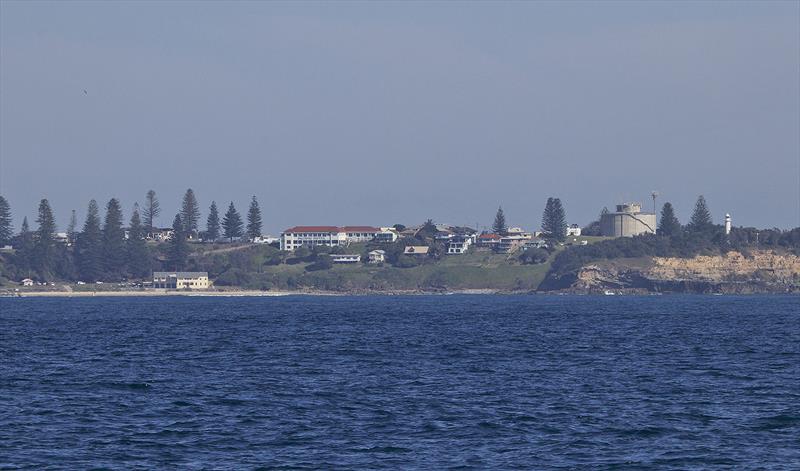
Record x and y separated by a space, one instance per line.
329 236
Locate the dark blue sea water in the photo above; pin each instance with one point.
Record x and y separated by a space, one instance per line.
435 382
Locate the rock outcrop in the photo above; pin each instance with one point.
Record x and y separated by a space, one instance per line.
758 272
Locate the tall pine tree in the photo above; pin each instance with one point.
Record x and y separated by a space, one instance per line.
668 225
90 246
178 248
6 229
25 246
253 220
232 224
212 223
701 217
499 227
554 221
138 256
45 242
152 208
113 241
72 228
190 213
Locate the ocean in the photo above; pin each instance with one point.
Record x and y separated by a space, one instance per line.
383 382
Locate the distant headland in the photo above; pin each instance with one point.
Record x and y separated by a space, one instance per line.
627 250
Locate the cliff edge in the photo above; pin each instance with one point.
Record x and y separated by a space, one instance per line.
762 271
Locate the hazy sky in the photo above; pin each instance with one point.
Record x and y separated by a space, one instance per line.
378 113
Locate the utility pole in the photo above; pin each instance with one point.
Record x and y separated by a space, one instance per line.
654 194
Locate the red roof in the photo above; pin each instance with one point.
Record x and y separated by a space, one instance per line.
489 236
296 229
360 229
334 229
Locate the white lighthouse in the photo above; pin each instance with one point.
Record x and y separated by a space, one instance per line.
727 223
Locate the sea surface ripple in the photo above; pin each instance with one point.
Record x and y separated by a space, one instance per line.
434 382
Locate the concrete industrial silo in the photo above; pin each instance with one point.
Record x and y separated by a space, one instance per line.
627 221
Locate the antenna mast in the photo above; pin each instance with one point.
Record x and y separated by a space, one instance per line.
654 194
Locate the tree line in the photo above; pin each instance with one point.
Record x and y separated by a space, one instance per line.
700 236
105 250
554 221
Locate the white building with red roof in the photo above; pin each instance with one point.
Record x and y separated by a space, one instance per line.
328 236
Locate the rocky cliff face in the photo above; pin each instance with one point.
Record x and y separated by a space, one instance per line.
759 272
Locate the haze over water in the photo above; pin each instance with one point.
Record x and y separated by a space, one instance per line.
669 382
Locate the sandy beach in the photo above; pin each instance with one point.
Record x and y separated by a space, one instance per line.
150 293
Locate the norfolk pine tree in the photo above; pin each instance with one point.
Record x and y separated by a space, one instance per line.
701 218
113 241
212 223
72 228
668 225
44 252
232 223
25 249
190 213
499 227
90 245
6 229
178 248
254 220
152 209
554 221
138 256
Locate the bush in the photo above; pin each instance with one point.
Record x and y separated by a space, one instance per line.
534 256
406 262
323 262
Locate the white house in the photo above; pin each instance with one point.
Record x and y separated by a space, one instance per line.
573 230
458 245
345 258
377 256
27 282
386 235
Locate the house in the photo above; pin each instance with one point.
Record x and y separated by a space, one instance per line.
328 236
27 282
377 256
573 230
509 244
443 236
345 258
181 280
160 235
536 244
62 237
459 245
416 250
488 240
518 231
265 239
387 235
